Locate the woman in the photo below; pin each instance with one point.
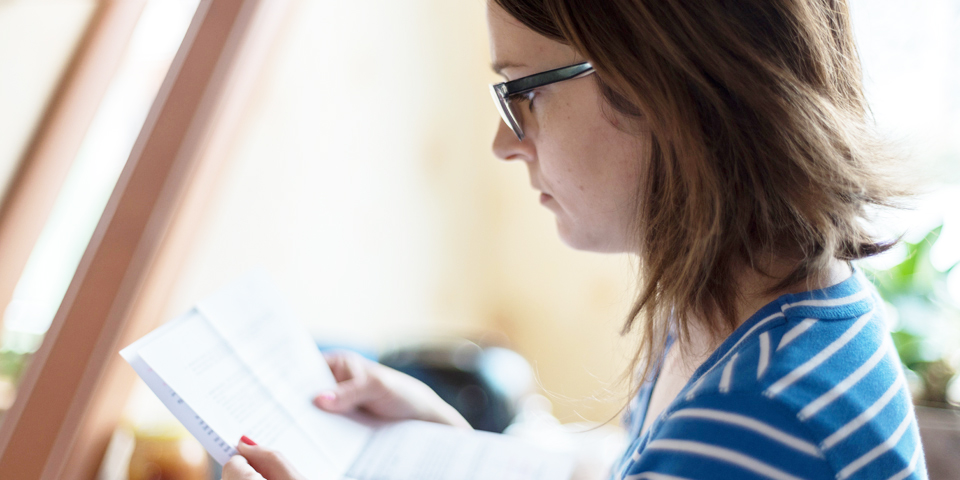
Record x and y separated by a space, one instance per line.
726 145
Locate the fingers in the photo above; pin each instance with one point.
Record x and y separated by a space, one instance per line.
355 384
238 469
347 397
344 365
271 464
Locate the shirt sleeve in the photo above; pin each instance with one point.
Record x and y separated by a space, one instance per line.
730 435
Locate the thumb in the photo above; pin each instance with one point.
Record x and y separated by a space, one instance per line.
345 397
269 463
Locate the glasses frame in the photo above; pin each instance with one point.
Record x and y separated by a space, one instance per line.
501 92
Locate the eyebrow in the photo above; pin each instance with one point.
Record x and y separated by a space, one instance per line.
499 66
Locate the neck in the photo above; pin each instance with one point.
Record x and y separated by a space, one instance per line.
756 286
755 294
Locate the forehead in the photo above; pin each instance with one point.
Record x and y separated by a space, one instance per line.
513 45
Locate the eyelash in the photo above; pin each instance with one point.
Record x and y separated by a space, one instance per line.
527 97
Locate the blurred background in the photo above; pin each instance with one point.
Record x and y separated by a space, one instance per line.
361 179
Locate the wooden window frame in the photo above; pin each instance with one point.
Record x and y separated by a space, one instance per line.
72 394
43 168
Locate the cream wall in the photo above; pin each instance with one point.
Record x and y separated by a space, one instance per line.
362 180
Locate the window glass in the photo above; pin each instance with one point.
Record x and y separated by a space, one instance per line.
37 41
88 186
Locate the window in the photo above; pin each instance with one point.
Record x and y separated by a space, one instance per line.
90 181
37 40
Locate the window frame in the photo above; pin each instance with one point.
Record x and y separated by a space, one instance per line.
44 166
76 384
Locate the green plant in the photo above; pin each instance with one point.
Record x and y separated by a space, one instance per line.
12 364
927 322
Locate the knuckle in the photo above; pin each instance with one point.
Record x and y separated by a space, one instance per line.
355 360
275 456
376 383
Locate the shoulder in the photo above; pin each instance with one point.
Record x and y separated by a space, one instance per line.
734 434
813 390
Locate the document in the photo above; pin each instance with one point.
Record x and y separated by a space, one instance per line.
240 364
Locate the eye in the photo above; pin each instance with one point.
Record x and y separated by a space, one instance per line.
526 97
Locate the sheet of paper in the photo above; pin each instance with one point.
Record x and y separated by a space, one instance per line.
219 448
195 361
427 451
251 315
240 364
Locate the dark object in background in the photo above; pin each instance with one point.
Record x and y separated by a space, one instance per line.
484 384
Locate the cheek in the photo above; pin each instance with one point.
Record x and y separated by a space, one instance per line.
572 151
596 159
595 178
569 170
596 181
591 155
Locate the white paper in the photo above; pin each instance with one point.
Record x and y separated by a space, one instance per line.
252 317
223 391
428 451
239 364
221 450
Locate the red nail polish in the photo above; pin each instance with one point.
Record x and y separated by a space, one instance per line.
246 439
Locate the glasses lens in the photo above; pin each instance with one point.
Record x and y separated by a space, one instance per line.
503 106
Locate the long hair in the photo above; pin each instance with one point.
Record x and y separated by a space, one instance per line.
762 145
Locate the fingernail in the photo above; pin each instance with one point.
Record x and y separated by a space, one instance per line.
246 439
327 396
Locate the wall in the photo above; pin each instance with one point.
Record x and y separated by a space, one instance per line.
364 183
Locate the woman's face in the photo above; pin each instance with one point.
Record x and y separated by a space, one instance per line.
587 169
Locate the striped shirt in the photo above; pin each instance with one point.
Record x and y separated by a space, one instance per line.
810 387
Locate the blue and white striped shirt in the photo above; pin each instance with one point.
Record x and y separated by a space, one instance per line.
810 387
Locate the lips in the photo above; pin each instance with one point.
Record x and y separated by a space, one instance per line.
544 197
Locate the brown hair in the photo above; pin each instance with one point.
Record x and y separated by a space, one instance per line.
761 143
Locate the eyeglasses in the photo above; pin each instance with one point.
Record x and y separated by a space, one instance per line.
503 92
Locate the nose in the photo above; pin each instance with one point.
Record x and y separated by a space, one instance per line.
506 145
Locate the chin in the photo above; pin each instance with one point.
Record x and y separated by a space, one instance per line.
586 242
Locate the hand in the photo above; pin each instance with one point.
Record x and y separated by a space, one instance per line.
383 392
258 463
